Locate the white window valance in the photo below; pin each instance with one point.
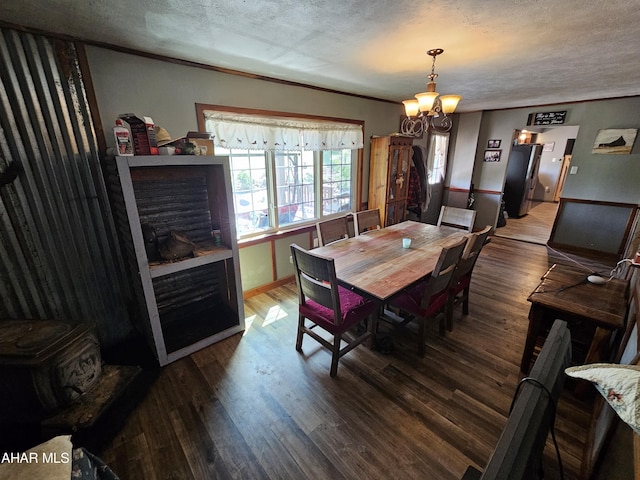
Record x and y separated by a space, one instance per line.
254 132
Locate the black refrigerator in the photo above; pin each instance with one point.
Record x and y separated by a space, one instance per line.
521 179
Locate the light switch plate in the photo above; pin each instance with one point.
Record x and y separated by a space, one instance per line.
573 170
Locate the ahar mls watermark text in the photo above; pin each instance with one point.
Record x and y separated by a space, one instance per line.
35 457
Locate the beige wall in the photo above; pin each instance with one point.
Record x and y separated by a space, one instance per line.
551 160
168 92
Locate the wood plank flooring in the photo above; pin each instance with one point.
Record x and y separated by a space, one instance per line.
251 407
534 227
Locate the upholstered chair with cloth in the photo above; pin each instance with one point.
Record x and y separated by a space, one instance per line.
323 303
428 299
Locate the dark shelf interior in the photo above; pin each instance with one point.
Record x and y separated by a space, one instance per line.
196 322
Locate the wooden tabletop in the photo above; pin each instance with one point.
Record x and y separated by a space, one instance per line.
375 263
566 289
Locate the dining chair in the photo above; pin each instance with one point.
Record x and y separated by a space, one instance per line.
459 292
366 220
429 299
330 231
457 217
325 304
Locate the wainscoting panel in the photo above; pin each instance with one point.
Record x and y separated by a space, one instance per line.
591 225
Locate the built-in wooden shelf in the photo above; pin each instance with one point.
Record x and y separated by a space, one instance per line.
190 302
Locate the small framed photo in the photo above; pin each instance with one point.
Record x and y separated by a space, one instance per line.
494 143
548 147
492 155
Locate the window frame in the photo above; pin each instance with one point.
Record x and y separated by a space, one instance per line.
357 163
320 181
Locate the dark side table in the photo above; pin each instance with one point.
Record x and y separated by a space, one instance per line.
564 293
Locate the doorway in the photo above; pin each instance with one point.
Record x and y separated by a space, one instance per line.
534 227
557 146
564 169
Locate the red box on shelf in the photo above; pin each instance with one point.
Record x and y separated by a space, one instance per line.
142 133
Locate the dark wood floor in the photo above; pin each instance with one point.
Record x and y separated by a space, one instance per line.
252 407
534 227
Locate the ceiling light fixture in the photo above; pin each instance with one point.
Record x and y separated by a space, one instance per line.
428 106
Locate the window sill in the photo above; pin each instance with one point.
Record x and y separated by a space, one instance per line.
298 229
271 236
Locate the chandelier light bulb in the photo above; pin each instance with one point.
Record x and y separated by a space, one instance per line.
449 103
411 107
426 101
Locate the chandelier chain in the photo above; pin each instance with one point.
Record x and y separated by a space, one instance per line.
433 74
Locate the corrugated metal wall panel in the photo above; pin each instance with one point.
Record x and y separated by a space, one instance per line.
59 253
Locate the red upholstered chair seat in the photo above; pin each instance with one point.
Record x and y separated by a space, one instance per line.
430 298
323 303
410 301
463 282
353 308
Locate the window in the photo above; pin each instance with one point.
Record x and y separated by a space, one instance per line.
273 190
337 188
437 161
250 194
295 187
279 186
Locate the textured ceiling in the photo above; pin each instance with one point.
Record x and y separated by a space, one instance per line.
498 53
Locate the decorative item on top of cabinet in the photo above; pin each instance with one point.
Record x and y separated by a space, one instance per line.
389 169
193 297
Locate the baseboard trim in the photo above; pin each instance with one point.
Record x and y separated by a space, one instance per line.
269 286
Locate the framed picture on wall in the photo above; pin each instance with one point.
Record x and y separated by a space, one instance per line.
492 155
615 141
494 143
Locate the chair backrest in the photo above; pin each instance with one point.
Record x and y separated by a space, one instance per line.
457 217
442 274
332 230
316 279
472 250
366 220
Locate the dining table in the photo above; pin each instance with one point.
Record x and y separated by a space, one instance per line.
376 265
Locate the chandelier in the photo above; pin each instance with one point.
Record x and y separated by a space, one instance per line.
429 110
